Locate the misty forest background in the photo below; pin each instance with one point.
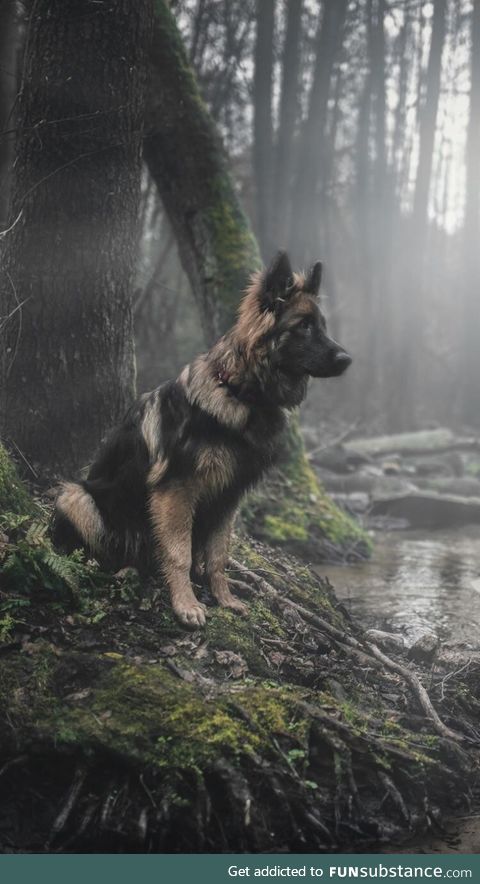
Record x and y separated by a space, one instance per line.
353 135
353 132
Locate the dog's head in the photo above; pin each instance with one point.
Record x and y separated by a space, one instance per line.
281 311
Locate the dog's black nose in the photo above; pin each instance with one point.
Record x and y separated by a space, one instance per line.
342 361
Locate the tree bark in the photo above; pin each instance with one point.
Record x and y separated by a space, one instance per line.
263 125
284 156
8 83
67 356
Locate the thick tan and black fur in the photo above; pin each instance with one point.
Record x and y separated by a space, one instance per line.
166 485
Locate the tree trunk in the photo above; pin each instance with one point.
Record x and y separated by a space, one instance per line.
428 118
306 208
410 338
380 227
67 359
284 156
405 49
471 264
8 83
362 203
263 126
218 252
188 164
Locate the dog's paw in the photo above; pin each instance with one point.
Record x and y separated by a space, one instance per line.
234 604
191 614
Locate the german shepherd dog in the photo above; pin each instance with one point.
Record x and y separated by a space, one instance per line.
167 483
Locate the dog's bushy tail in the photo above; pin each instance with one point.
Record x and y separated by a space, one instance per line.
77 520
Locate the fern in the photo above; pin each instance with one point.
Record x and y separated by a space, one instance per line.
12 521
65 569
36 533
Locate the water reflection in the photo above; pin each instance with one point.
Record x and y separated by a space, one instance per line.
417 581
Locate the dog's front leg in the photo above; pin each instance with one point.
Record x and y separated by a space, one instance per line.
171 513
216 558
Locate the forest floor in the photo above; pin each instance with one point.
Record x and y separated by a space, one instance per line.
291 729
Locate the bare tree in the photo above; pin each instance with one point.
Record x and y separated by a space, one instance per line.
312 137
263 124
410 342
288 113
471 258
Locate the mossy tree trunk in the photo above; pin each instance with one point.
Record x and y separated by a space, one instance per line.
189 166
67 350
218 251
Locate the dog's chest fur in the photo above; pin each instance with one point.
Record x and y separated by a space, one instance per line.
223 456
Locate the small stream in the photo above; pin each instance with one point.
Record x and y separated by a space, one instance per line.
416 582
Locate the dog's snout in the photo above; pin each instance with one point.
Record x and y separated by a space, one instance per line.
342 360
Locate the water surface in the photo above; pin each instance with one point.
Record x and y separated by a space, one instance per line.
416 581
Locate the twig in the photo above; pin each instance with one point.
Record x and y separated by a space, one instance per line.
3 233
19 306
449 675
19 330
33 471
419 692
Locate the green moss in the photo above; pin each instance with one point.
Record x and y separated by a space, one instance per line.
284 529
291 509
234 248
227 631
14 497
144 713
230 632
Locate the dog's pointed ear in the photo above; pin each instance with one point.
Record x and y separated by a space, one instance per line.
277 282
313 279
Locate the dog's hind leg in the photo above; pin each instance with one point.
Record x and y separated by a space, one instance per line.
77 517
171 514
216 558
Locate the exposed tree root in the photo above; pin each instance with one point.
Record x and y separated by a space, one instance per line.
356 648
286 730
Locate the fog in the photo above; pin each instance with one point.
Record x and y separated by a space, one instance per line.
353 133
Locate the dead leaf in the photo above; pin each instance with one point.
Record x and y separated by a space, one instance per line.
236 665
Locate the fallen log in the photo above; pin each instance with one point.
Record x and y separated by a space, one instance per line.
427 509
420 442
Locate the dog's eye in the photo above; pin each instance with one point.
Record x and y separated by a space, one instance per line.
307 323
